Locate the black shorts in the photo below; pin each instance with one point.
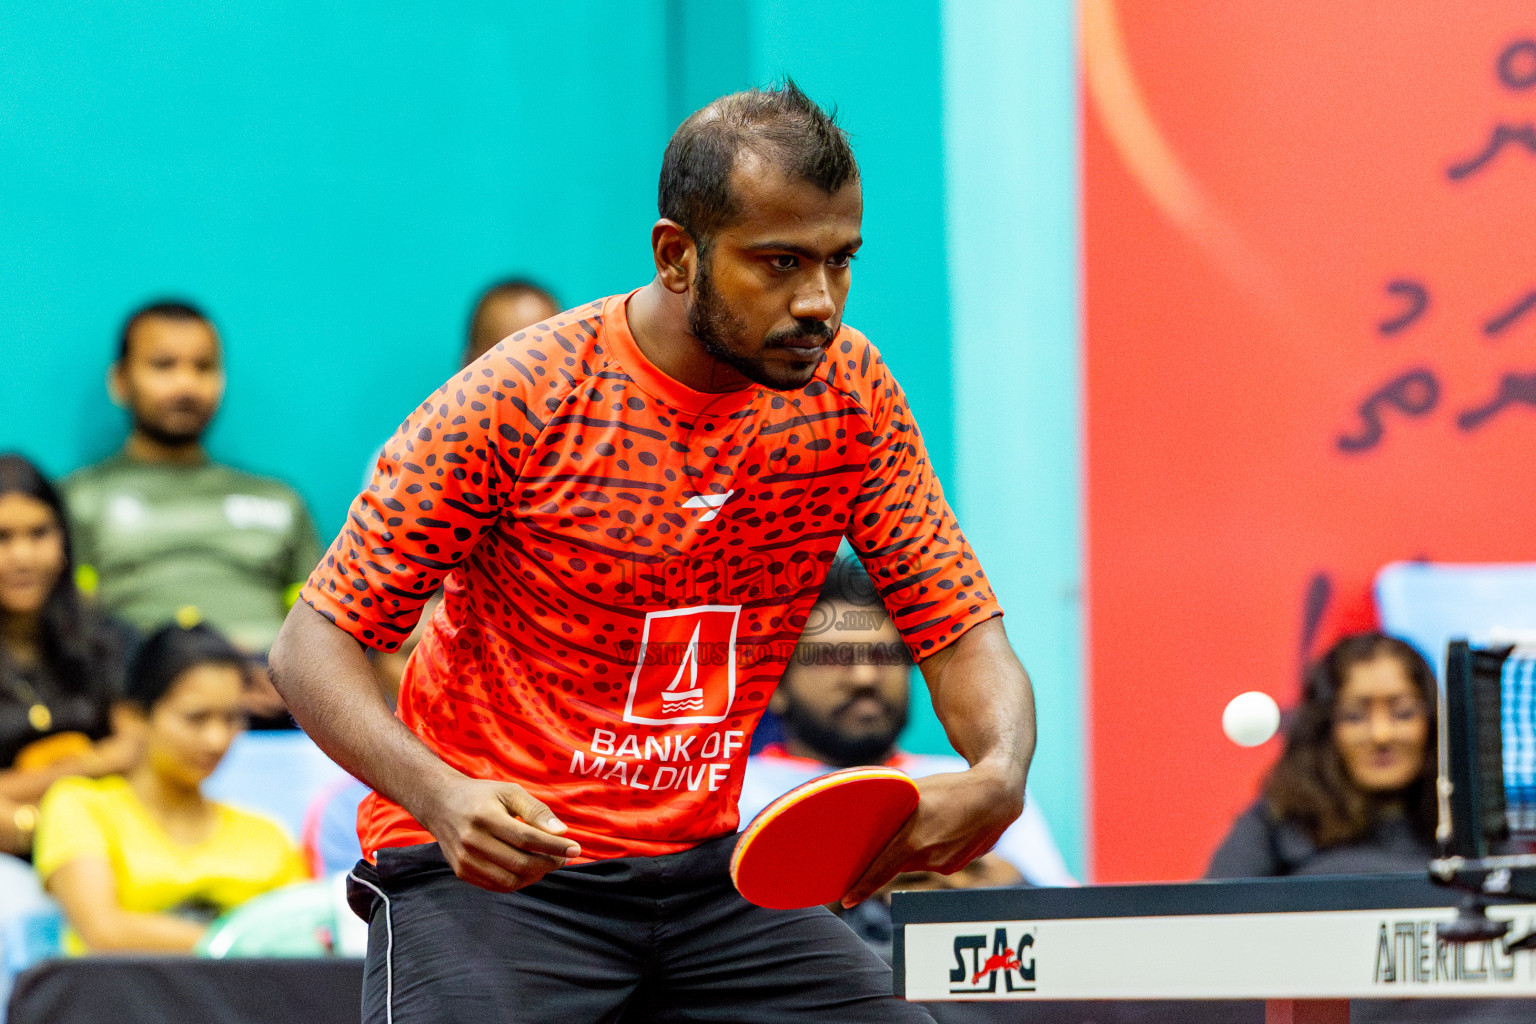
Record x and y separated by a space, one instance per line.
629 941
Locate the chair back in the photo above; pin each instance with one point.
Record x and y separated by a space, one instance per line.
1429 604
278 774
29 938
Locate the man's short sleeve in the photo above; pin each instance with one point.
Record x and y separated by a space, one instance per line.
68 827
440 484
905 533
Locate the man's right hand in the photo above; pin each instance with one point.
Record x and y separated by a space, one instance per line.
495 835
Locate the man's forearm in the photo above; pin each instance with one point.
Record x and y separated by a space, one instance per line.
983 697
330 688
495 834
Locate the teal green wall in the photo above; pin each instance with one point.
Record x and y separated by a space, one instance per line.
336 182
1010 144
335 185
878 63
333 181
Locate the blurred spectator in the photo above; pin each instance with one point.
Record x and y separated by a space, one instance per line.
842 703
61 668
61 663
1354 791
143 861
330 828
504 309
160 526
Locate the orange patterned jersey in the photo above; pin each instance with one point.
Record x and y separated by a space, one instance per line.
627 565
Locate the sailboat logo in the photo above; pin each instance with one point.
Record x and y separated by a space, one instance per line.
686 669
675 701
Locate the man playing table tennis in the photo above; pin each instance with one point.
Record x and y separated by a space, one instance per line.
631 508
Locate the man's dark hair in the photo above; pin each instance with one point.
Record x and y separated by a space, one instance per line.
507 288
780 123
848 583
172 650
162 309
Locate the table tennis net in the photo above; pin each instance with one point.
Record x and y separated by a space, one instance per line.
1517 733
1475 811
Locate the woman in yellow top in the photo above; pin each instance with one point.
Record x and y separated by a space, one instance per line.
143 861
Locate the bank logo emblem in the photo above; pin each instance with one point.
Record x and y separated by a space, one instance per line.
977 968
686 671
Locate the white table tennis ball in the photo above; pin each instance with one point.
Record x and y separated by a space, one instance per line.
1250 718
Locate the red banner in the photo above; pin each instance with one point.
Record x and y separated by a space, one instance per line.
1311 350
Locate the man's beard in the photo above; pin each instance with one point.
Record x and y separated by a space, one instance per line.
837 748
718 328
171 438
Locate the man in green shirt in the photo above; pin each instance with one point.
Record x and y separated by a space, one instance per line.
160 526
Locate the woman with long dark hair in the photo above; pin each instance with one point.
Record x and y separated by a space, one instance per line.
1354 791
61 664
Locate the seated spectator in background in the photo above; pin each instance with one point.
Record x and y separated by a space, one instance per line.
143 861
843 702
330 840
61 663
1354 791
61 670
504 309
160 525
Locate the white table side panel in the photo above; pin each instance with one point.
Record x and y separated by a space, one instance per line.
1314 955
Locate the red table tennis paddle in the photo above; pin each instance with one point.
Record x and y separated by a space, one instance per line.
813 843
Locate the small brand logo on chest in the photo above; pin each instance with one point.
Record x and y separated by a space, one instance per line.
711 503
